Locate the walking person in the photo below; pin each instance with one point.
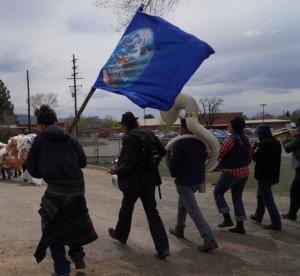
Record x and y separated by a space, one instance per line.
187 165
58 158
234 158
293 146
137 182
267 157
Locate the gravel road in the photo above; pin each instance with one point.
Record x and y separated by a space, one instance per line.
259 252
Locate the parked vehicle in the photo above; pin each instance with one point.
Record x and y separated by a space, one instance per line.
119 135
170 134
219 134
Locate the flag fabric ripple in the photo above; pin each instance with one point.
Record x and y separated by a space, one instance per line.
152 62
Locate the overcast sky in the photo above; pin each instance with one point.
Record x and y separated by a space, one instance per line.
257 59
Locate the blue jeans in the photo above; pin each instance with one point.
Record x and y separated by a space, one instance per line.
265 199
187 204
236 185
61 263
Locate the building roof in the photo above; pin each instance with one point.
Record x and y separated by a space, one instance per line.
154 122
219 123
266 121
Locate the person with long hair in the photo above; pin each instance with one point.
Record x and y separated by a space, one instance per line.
58 158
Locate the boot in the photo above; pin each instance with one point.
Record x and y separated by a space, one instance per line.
227 221
239 229
208 246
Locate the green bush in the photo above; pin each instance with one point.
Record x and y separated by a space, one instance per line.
6 134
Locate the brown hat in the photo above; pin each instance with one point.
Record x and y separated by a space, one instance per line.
127 117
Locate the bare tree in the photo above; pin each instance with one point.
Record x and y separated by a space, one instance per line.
295 115
210 111
125 9
49 99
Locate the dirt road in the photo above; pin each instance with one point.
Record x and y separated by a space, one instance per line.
259 252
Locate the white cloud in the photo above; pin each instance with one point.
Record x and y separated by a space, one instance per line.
254 33
256 60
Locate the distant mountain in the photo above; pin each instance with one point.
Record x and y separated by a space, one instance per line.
23 119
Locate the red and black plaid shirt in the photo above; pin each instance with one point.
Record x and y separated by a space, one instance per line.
237 172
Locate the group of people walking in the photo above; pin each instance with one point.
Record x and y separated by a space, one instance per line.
235 156
58 158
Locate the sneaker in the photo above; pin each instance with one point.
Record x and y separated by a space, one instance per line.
226 223
79 263
113 234
162 254
272 227
286 216
208 246
237 230
175 232
253 217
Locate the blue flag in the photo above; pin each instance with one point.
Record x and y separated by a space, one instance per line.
152 62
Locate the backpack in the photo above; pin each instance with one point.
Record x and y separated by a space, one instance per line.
148 146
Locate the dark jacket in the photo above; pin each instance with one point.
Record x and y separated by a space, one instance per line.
187 162
54 155
131 175
58 158
237 157
267 157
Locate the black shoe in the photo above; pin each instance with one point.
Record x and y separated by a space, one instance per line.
79 263
238 230
272 227
175 232
113 234
162 254
286 216
226 223
253 217
208 246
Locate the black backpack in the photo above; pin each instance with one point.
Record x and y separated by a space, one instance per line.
148 146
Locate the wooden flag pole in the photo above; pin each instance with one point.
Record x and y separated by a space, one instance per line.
77 116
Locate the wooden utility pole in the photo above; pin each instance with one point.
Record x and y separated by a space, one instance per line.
74 89
28 102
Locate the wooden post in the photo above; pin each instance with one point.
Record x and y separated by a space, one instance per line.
77 116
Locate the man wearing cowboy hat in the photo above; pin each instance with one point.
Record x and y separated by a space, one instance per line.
135 182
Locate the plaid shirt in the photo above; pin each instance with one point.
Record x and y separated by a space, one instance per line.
238 172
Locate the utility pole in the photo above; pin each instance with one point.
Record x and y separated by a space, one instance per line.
73 88
263 106
28 102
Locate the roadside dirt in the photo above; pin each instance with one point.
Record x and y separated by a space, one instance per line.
259 252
